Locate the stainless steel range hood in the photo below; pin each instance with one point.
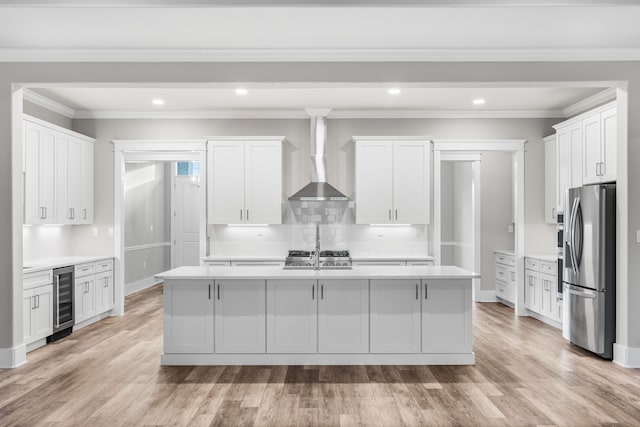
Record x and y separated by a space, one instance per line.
318 189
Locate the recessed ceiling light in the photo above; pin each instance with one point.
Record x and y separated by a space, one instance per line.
478 101
394 91
241 91
158 101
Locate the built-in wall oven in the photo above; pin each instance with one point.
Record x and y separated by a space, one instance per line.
63 288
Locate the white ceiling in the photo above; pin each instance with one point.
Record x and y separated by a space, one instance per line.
320 33
535 101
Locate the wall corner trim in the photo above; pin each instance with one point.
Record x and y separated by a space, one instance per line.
13 357
628 357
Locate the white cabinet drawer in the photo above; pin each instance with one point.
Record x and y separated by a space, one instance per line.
104 265
37 278
82 270
532 264
502 289
505 259
502 273
548 267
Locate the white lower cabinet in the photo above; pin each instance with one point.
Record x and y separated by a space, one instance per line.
532 290
104 291
37 312
446 317
188 316
292 316
240 316
84 298
395 316
343 316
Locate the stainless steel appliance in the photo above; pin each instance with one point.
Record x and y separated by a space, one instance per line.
318 190
590 266
324 260
63 288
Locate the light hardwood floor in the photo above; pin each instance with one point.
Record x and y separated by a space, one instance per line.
110 374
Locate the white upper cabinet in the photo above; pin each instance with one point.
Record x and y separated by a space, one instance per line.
550 189
600 143
392 181
586 150
245 182
58 175
40 174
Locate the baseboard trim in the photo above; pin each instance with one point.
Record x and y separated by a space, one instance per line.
13 357
544 319
319 359
91 321
134 287
486 296
628 357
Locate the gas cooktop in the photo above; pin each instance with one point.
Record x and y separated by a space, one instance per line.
298 259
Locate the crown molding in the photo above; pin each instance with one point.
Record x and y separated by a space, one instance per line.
319 55
445 114
214 114
49 104
587 104
335 114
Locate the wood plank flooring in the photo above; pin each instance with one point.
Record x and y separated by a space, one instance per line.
110 374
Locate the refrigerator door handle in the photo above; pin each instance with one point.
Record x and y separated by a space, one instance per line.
572 224
583 294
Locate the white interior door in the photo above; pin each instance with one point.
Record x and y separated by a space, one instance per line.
185 227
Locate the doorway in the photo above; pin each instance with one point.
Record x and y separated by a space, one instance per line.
166 152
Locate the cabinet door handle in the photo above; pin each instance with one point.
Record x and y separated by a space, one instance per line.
85 213
553 212
45 212
313 291
33 302
218 290
603 169
321 291
247 214
396 214
70 213
425 291
417 290
209 290
240 214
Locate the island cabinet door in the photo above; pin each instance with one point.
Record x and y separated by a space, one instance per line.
343 316
188 316
446 316
240 316
395 316
292 316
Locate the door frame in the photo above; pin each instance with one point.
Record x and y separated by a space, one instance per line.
473 157
460 147
150 150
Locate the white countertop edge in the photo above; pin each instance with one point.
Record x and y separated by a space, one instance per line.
57 262
353 257
509 252
547 258
357 272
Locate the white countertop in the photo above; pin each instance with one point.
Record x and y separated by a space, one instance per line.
353 257
48 263
357 272
505 252
547 258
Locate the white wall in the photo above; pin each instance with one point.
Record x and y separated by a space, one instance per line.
463 215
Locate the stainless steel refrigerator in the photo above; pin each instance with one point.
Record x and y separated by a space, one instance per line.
590 266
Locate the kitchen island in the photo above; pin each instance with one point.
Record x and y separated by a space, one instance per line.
364 315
